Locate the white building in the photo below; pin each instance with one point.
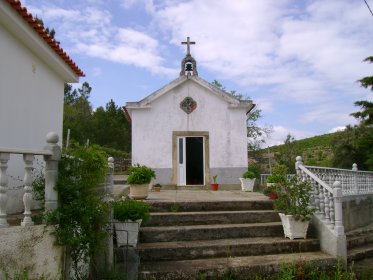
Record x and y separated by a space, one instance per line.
190 130
33 70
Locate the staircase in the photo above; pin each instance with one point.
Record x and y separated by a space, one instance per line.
360 243
206 239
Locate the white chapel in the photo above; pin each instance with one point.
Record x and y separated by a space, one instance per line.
190 130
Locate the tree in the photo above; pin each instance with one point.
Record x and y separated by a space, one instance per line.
254 131
288 153
77 113
355 143
111 128
366 114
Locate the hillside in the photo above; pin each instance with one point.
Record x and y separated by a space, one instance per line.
315 150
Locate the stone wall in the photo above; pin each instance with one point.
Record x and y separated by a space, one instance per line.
357 211
30 249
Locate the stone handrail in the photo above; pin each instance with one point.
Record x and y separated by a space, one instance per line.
51 154
353 182
330 188
325 199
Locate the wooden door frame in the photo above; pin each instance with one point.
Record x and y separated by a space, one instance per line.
205 135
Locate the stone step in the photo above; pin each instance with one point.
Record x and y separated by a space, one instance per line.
216 217
208 232
215 268
202 206
359 253
358 241
179 250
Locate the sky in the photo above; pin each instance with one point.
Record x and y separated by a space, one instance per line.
299 61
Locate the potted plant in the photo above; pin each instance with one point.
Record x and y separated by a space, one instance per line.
270 190
279 175
128 215
293 207
157 187
248 178
215 185
139 179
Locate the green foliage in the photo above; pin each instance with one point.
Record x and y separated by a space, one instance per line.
81 215
294 199
248 175
365 116
115 153
107 126
131 210
315 150
254 168
252 172
279 175
354 145
111 128
215 179
140 174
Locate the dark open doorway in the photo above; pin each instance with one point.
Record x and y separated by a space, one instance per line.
194 161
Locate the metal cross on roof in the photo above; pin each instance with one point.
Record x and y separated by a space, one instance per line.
188 43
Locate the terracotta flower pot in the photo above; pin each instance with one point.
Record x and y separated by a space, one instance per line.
214 187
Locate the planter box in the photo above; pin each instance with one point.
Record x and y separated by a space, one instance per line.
247 185
127 232
292 228
139 191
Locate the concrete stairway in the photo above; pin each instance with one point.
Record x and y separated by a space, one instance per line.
360 243
190 240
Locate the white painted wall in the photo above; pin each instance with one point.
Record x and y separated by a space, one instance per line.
31 105
152 128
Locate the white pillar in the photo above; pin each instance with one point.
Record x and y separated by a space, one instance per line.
51 171
27 196
356 185
337 194
298 162
4 158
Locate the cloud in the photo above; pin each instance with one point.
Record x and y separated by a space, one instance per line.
279 134
338 128
305 53
93 33
96 71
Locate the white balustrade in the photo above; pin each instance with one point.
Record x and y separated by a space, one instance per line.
27 196
52 154
4 158
324 198
353 182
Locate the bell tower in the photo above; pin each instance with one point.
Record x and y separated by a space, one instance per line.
188 64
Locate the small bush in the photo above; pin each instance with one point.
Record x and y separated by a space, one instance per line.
131 210
140 174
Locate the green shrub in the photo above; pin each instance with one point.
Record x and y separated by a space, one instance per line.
131 210
248 175
81 216
254 168
140 174
294 199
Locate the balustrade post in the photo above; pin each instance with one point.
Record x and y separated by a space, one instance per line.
27 196
298 162
109 176
51 171
337 194
356 185
4 158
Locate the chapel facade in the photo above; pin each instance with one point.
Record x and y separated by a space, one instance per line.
190 130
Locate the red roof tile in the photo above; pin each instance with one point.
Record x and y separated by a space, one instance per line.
22 11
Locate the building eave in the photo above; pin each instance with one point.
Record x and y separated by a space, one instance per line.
27 30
